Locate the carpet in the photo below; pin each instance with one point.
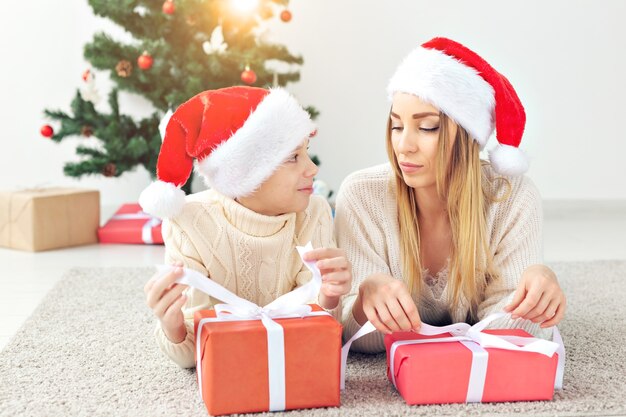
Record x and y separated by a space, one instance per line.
88 349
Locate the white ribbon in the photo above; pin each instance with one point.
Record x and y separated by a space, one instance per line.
478 372
146 230
476 340
290 305
560 369
365 329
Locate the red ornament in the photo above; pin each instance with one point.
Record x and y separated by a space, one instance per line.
248 76
145 61
168 7
86 75
285 16
46 131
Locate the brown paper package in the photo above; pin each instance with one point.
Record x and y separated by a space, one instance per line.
49 218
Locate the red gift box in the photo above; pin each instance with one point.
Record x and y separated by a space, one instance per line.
130 224
282 356
463 371
233 363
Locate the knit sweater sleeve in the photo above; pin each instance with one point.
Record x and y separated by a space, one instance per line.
178 247
360 233
516 245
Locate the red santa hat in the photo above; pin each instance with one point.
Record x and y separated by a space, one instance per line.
238 136
466 88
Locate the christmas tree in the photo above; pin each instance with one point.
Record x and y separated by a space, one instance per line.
180 48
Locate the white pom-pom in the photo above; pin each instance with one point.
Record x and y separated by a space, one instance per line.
508 160
162 199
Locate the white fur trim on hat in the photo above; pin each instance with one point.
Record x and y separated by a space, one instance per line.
508 160
451 86
162 199
239 165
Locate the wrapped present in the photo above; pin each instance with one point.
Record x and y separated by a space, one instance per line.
286 355
130 224
461 363
246 367
49 218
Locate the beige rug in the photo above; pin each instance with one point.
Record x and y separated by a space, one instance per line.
88 350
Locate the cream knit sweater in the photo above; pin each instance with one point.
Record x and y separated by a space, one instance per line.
366 226
250 254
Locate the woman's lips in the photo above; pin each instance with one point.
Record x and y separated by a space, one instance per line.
308 190
409 168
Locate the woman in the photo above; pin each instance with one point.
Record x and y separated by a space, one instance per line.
438 235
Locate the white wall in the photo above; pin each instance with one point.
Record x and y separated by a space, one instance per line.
565 58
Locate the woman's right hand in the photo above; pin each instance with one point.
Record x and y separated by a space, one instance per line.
165 297
386 302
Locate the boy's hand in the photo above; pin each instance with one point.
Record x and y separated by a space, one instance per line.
336 274
166 300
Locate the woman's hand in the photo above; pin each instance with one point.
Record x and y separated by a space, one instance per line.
538 297
386 302
166 300
336 273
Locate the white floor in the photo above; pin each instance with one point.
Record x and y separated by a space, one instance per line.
573 231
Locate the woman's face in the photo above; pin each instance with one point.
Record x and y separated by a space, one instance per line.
289 188
415 129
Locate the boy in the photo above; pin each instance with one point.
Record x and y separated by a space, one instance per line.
251 148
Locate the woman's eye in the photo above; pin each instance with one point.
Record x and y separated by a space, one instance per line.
396 128
429 129
294 158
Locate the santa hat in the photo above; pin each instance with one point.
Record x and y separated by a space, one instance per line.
238 136
466 88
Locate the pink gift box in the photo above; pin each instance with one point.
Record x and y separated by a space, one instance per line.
445 372
130 224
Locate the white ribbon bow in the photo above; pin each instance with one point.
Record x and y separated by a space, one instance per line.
476 340
146 230
290 305
465 332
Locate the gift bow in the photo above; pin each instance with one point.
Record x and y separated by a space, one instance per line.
464 332
290 305
473 338
146 230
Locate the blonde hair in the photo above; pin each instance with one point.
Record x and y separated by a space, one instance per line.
459 182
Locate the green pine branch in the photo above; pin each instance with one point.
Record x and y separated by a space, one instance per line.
180 70
124 142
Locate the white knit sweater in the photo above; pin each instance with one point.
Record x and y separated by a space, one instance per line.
366 226
250 254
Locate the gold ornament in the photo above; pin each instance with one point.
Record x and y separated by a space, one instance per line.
109 170
124 68
86 131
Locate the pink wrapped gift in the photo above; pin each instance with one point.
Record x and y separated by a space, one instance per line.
462 363
130 224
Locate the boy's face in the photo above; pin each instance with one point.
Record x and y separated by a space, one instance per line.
289 188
